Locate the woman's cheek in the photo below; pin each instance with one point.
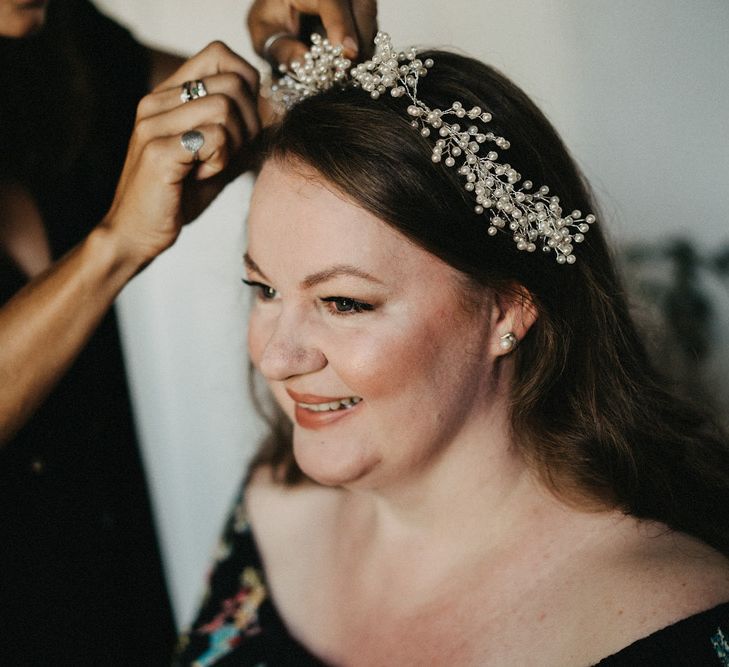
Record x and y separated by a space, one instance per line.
373 363
257 337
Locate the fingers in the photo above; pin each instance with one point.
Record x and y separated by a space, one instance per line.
351 23
221 89
229 104
168 155
337 19
365 18
212 156
166 182
267 18
213 109
215 58
286 49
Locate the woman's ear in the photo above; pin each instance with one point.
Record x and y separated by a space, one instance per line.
513 313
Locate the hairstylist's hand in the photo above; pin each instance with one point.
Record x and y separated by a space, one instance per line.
274 26
164 185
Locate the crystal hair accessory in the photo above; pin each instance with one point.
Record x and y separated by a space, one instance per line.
533 217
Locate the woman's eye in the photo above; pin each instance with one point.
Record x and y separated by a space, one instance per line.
342 305
264 292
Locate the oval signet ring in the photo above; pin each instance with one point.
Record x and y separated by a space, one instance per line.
192 141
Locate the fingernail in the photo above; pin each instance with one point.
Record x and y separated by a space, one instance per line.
350 46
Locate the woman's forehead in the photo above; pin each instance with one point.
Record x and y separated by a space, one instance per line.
299 221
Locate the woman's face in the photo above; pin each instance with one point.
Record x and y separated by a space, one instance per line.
21 18
361 335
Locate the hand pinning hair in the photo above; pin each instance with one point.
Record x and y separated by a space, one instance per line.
275 27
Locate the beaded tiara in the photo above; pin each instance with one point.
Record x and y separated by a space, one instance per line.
533 217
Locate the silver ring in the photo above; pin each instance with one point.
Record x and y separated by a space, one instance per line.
268 44
192 90
192 141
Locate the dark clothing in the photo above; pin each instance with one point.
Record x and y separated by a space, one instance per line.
80 573
700 640
238 625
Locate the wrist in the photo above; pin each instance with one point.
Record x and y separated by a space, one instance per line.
113 256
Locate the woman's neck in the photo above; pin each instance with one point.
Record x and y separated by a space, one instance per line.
479 487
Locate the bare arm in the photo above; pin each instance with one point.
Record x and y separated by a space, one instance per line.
45 325
162 187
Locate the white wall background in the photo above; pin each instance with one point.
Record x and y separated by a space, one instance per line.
639 91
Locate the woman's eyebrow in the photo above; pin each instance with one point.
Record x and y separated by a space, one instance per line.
320 276
336 271
252 266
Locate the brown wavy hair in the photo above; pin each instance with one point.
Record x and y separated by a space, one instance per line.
589 412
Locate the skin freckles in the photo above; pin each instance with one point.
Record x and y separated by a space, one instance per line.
419 361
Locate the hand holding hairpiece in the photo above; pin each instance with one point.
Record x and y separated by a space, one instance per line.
323 66
531 217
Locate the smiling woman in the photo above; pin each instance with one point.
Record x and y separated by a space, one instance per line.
471 443
359 314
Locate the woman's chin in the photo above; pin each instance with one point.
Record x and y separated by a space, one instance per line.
332 466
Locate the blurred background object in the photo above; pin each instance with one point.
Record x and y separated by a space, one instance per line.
680 296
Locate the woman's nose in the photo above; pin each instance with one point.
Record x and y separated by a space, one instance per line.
289 351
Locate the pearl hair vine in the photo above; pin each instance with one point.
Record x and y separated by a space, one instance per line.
533 217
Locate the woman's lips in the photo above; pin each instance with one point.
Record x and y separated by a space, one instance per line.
314 412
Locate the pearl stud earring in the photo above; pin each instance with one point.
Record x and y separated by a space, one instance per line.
507 342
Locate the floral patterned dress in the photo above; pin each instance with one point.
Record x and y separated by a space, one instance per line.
238 623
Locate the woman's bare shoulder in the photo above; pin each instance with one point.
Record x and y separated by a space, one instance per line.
281 513
697 574
663 577
641 579
298 520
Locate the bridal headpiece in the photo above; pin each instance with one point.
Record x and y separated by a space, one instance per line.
532 216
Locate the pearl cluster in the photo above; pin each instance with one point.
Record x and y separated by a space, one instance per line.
532 217
389 69
323 66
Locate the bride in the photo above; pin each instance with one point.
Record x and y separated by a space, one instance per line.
471 460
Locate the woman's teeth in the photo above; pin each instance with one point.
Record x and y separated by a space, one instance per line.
342 404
